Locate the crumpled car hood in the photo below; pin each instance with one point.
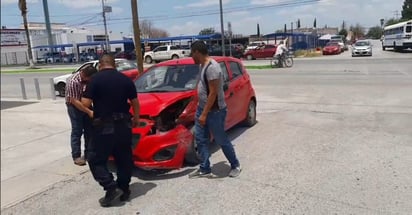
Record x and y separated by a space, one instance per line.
153 103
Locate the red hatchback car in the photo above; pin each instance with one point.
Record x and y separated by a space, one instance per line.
266 51
332 48
167 93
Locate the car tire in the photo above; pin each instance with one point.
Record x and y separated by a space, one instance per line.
250 114
148 59
61 89
249 57
175 57
192 156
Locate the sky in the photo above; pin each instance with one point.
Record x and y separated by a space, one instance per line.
188 17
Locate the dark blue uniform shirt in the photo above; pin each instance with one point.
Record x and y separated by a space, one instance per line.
110 91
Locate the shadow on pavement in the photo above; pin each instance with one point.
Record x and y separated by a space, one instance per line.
13 104
137 189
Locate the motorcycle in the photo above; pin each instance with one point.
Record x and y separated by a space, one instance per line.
287 60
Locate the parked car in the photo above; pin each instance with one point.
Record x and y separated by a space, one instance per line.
217 51
332 48
265 51
70 58
167 93
124 66
166 52
254 45
340 42
362 48
131 55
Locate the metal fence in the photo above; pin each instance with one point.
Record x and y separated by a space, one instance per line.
14 58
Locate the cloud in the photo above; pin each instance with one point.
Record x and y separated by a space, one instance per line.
8 2
202 4
188 28
83 4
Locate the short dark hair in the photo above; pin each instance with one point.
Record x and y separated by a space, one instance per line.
199 46
107 60
89 71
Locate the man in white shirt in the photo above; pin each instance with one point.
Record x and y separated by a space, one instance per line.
281 50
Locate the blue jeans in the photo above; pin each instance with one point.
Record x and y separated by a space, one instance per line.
215 124
81 125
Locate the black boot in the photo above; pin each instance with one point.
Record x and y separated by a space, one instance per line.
110 197
125 196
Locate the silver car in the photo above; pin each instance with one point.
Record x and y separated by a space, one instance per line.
362 48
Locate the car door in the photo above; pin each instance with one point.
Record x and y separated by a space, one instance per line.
230 102
239 91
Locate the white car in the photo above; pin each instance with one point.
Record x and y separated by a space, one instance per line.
123 65
362 48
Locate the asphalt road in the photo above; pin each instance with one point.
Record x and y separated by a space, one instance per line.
334 137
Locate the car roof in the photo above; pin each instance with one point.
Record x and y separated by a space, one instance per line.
189 60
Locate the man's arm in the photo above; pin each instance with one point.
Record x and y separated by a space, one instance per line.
86 102
136 111
79 105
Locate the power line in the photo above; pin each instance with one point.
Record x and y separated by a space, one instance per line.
214 12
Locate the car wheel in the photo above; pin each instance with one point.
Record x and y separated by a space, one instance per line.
148 59
192 156
251 114
175 57
61 89
249 57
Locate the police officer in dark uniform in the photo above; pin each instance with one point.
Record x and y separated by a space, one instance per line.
110 91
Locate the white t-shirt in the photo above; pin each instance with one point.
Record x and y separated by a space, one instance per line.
280 49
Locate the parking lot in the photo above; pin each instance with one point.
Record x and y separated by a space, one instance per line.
334 136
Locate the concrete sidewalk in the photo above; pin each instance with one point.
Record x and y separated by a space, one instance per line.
35 150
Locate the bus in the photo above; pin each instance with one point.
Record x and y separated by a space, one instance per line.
397 36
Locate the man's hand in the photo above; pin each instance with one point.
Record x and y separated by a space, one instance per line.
135 121
202 119
90 113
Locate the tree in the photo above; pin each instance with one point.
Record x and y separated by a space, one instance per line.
298 25
344 33
207 31
375 32
23 9
407 10
343 25
147 30
314 23
357 31
285 29
391 21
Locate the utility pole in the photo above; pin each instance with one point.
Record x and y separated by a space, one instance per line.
106 36
229 28
48 26
222 28
136 31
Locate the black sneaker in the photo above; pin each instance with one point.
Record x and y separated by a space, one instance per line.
200 174
125 196
110 197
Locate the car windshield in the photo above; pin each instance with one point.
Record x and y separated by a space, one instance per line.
363 43
168 79
125 65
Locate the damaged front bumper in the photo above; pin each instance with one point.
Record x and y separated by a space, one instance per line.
159 150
